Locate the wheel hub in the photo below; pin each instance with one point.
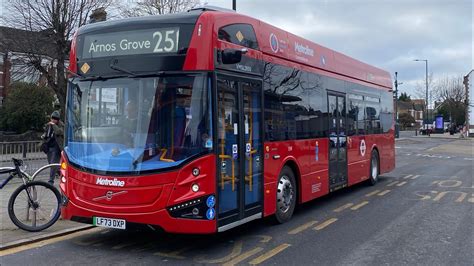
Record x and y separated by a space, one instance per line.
285 193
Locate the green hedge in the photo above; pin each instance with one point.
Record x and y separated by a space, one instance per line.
27 107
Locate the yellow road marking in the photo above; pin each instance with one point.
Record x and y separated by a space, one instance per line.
47 242
461 198
105 232
360 205
391 184
269 254
415 177
243 256
236 250
144 247
175 254
384 192
126 244
324 224
302 228
372 193
402 183
406 177
92 241
98 244
343 207
265 238
169 255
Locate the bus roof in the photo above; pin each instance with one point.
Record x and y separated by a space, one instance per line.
178 18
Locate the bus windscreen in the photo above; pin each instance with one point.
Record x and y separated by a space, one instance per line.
133 125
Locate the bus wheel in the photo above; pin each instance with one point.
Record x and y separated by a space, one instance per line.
286 195
374 168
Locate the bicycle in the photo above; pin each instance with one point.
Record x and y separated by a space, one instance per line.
35 205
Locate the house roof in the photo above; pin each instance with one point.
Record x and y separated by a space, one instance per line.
418 101
417 105
23 41
402 105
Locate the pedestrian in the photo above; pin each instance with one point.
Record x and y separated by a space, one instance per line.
54 137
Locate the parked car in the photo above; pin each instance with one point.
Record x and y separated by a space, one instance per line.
426 129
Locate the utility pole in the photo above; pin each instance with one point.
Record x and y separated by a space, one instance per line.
234 5
426 104
397 126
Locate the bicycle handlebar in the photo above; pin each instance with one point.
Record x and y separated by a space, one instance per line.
17 162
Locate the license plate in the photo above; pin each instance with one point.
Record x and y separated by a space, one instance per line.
109 222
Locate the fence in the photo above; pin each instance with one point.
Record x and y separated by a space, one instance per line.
28 151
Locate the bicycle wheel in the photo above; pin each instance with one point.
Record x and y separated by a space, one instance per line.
38 214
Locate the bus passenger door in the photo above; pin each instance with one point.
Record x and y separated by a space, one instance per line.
337 141
239 149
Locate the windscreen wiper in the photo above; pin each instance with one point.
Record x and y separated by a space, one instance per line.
115 67
76 75
93 78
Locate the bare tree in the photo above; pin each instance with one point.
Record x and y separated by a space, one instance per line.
48 27
450 88
452 95
157 7
420 89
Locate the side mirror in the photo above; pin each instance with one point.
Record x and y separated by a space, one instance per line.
232 56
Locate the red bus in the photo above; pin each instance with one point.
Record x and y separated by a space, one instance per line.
201 121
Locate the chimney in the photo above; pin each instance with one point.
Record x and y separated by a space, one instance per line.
98 15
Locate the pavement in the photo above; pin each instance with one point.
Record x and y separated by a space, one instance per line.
12 236
434 136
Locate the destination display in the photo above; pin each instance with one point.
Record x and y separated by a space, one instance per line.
149 41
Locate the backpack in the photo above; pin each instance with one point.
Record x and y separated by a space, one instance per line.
48 139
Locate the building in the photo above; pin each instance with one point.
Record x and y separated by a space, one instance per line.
415 108
468 83
17 49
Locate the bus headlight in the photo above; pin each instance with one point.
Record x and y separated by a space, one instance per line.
195 187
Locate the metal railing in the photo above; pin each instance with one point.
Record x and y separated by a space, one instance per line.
28 151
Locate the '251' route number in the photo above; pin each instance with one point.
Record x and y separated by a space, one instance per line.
170 42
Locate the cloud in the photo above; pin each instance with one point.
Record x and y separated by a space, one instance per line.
385 33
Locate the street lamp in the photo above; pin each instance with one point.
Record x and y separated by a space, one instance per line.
426 62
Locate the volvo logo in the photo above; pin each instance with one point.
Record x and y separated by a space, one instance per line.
109 195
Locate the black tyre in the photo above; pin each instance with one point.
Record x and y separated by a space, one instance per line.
374 168
286 195
42 213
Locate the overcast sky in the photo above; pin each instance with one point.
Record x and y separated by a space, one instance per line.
385 33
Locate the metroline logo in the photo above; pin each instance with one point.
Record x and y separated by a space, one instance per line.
109 182
304 49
